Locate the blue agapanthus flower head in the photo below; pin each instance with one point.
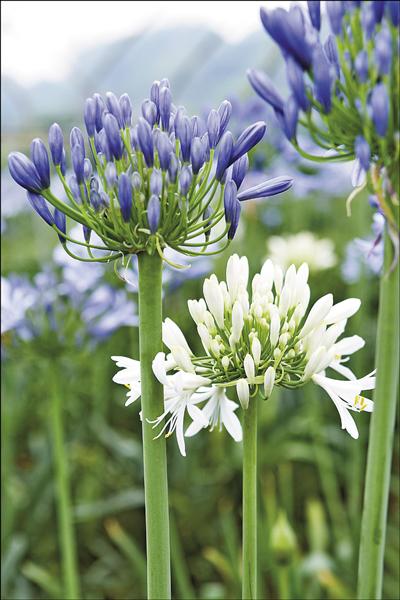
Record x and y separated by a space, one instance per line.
141 185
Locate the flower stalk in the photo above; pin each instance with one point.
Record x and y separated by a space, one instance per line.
154 451
373 527
63 495
249 567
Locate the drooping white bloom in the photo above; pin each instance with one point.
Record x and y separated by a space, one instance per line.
218 411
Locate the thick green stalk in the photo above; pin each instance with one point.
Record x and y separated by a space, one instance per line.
154 451
63 494
373 527
249 582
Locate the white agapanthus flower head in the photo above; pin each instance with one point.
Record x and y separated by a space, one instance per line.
253 342
301 247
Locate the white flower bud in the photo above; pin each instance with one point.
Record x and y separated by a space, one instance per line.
214 298
277 354
267 273
225 362
214 347
237 274
301 282
317 314
226 296
249 367
244 301
182 359
269 380
237 322
284 300
315 359
197 309
283 340
278 279
256 350
204 336
275 325
243 393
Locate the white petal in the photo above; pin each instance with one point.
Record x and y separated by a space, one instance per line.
173 336
182 359
317 314
231 422
194 428
243 392
345 371
197 415
343 310
127 363
179 431
159 368
349 345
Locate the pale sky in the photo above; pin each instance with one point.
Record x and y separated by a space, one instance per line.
40 40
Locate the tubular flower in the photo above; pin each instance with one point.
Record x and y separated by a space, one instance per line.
141 186
344 89
253 342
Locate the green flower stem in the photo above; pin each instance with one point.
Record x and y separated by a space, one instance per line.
63 494
373 527
249 582
154 451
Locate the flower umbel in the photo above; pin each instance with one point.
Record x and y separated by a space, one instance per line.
147 185
254 342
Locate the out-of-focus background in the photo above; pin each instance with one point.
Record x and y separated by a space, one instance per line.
63 320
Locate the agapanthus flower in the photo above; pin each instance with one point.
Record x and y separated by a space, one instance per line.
253 342
143 186
345 89
299 248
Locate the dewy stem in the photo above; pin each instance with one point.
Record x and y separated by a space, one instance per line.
63 495
154 451
249 567
373 526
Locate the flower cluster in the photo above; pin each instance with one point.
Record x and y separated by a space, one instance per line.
344 89
253 343
145 186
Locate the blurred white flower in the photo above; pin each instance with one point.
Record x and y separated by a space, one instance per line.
302 247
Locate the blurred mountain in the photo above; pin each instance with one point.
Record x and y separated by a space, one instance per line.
202 67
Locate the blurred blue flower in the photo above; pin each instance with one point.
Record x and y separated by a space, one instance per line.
365 253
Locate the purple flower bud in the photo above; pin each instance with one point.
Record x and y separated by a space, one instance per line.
230 199
378 6
76 138
235 220
368 20
126 110
185 179
104 145
95 200
264 87
296 82
60 222
380 108
240 168
225 154
40 159
323 79
149 112
24 172
94 184
165 100
155 96
314 9
248 139
164 83
63 163
114 108
173 168
134 137
164 149
290 118
86 233
361 65
156 182
288 30
271 187
332 53
207 218
39 204
100 109
206 146
184 135
74 187
110 173
383 51
198 126
78 162
89 116
125 196
56 143
224 111
105 200
113 136
335 10
153 212
213 125
87 168
362 151
145 141
136 181
196 155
